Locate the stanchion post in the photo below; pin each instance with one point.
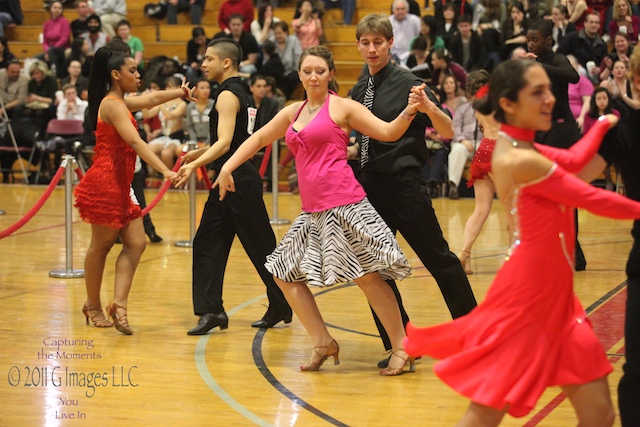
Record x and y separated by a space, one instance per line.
69 272
274 184
191 145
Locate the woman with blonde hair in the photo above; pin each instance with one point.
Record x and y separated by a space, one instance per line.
624 21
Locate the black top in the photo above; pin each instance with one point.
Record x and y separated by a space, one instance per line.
476 51
561 73
78 28
267 111
192 51
392 87
241 131
247 42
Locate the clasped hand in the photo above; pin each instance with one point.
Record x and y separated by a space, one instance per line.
419 101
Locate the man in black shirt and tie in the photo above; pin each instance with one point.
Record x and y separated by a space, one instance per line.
391 171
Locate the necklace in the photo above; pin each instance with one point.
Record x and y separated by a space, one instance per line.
313 110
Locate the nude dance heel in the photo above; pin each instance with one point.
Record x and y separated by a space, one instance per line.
393 372
330 350
98 323
465 260
120 322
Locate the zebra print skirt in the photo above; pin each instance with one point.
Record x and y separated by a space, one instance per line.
337 246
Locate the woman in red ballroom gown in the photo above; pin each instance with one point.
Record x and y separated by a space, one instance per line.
530 332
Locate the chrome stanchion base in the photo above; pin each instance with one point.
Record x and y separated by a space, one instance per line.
67 274
184 244
277 221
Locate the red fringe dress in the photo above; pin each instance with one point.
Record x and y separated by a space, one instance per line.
530 332
481 163
104 196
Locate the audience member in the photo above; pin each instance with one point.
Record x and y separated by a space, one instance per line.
418 61
466 135
196 119
123 31
443 66
406 27
514 30
624 95
428 31
79 25
110 12
10 14
586 45
289 50
196 47
13 87
194 7
459 7
308 27
247 42
621 51
272 64
599 105
433 171
577 11
76 79
561 24
5 54
231 7
71 107
171 115
79 52
39 103
531 9
488 15
624 21
261 28
95 37
446 27
267 110
467 47
579 95
55 37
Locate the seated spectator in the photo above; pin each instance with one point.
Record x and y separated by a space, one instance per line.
272 64
579 95
247 43
110 12
79 52
76 79
5 54
56 34
196 48
429 33
267 110
514 30
196 119
467 47
39 103
434 171
624 96
194 7
577 11
289 50
232 7
10 14
459 7
151 123
123 31
446 27
274 92
561 24
79 25
71 107
488 15
308 27
406 27
171 115
624 21
418 62
621 51
599 105
261 28
586 45
95 37
532 9
443 66
13 87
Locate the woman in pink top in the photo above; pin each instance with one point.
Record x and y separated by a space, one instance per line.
308 27
55 38
339 237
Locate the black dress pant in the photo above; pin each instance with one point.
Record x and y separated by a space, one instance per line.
241 213
138 190
403 202
629 387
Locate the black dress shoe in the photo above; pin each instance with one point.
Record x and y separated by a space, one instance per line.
209 321
271 318
154 237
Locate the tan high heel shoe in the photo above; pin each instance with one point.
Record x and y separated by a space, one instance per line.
465 260
98 323
330 350
120 322
390 371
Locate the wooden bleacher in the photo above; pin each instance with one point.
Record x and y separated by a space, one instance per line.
170 40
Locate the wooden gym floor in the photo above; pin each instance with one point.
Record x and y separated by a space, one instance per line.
55 371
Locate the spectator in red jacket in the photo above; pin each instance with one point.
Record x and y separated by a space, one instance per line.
230 7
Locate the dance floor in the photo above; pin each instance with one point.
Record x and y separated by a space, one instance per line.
56 371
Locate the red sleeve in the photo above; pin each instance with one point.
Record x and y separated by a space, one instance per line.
223 19
248 17
566 189
574 159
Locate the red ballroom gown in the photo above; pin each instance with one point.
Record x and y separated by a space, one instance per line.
531 331
104 196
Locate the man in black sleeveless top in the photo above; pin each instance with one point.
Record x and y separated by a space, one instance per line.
241 213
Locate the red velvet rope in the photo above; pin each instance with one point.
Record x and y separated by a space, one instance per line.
34 210
163 189
205 177
265 161
79 173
